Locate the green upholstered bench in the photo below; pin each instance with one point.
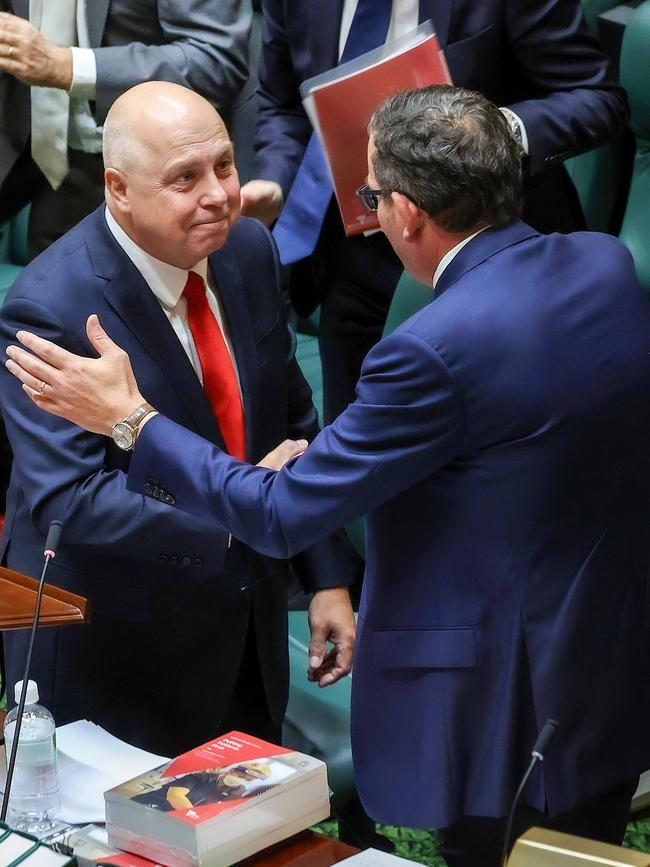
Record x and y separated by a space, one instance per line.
13 250
635 77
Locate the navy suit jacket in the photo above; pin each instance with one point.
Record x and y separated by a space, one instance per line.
171 598
499 446
538 58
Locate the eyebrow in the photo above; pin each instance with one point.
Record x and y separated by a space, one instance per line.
187 162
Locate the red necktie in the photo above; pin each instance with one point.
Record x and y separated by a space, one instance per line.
219 379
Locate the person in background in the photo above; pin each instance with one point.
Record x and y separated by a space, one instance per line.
188 637
498 446
535 59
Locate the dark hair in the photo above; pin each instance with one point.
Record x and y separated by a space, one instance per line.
451 151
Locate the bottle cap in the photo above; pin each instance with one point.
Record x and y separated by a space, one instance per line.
32 692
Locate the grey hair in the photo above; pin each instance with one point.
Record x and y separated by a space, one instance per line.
450 151
121 147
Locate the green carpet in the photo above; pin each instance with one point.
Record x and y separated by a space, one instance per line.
423 846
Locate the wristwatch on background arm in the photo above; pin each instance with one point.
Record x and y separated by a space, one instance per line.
125 433
517 129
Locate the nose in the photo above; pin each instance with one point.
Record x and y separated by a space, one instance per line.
213 193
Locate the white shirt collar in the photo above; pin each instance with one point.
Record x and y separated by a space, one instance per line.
165 281
449 255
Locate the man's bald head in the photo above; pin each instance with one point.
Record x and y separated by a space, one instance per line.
171 181
140 121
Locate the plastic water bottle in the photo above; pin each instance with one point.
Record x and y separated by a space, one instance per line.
34 802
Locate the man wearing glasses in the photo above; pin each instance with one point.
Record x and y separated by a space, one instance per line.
498 446
535 58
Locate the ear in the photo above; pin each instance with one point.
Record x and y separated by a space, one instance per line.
411 217
117 187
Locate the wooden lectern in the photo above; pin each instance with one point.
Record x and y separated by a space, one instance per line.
18 601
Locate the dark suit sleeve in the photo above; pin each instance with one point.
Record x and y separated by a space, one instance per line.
202 45
283 128
60 471
406 423
571 103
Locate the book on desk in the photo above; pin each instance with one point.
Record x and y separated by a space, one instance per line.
219 803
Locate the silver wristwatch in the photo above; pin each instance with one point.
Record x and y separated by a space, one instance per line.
125 433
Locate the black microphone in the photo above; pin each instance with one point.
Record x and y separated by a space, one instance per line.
51 544
537 753
543 741
53 539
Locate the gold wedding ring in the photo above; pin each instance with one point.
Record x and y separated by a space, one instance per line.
41 390
11 50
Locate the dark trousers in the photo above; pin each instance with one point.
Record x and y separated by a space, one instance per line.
355 279
54 212
476 841
248 710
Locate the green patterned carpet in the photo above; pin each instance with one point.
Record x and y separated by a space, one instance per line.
422 846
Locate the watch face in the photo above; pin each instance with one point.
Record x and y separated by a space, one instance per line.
123 435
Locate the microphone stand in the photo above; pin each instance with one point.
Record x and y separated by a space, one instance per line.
537 755
51 543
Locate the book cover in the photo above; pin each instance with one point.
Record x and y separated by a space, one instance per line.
342 105
236 794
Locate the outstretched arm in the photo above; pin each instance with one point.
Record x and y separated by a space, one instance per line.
406 423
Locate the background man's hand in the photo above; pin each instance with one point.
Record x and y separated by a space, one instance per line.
262 199
331 619
30 57
94 393
287 450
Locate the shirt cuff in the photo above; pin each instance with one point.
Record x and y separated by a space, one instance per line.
518 128
84 73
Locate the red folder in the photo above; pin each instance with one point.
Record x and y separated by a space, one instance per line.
343 108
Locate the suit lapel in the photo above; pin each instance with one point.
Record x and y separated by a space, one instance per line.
480 248
228 283
439 11
97 12
130 297
325 25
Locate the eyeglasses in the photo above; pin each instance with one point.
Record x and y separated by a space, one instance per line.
370 197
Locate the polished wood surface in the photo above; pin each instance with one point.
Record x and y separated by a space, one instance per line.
18 600
306 849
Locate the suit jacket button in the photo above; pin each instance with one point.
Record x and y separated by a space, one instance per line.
173 559
164 559
196 562
186 561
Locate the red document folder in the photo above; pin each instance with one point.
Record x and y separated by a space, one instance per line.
343 107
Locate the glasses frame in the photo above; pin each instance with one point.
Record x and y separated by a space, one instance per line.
370 198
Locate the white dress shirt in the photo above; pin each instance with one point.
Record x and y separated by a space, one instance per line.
449 255
83 132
